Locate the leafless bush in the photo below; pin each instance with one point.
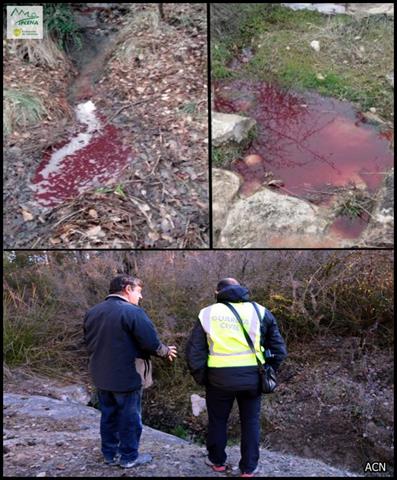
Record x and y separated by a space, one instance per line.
312 293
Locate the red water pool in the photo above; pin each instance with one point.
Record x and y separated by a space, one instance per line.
307 140
66 171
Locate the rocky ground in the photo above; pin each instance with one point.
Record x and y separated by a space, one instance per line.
45 437
326 412
269 218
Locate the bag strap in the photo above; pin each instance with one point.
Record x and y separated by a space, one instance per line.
247 337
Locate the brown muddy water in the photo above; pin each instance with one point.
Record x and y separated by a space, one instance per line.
310 143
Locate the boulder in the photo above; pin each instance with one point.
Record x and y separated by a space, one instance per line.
227 127
198 404
225 186
71 393
390 78
380 230
366 9
270 219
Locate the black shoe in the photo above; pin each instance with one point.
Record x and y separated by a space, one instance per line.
113 461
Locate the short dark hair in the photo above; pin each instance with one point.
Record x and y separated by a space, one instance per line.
121 281
226 282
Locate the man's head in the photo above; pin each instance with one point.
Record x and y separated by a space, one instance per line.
127 286
225 282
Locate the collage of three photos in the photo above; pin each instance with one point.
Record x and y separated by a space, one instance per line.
216 181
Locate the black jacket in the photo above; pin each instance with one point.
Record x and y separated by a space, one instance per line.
116 333
233 378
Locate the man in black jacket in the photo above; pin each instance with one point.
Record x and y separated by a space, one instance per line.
219 357
119 336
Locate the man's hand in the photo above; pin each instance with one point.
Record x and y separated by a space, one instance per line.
171 353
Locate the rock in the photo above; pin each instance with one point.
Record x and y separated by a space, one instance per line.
367 9
372 118
269 218
315 44
249 187
225 186
326 8
390 78
72 393
228 128
198 404
253 160
356 9
380 230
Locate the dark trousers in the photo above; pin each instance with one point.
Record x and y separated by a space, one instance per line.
219 405
121 423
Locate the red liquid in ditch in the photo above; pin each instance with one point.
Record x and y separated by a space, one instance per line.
101 160
308 142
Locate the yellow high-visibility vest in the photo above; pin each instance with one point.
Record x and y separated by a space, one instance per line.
226 341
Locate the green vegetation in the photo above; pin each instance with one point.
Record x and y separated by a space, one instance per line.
190 108
21 108
224 155
180 431
60 23
354 203
354 59
26 322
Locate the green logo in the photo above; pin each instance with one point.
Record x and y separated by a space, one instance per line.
33 19
25 22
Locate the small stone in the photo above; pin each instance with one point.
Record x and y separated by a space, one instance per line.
253 160
27 216
93 213
315 44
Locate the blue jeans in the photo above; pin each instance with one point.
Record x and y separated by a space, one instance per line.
121 423
219 405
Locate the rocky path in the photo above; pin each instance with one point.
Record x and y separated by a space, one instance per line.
54 438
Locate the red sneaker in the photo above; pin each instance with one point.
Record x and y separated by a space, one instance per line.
215 468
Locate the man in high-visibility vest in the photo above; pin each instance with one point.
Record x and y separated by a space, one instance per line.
219 357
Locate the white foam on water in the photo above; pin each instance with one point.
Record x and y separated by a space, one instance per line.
85 113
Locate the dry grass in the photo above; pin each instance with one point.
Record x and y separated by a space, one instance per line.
21 109
38 53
